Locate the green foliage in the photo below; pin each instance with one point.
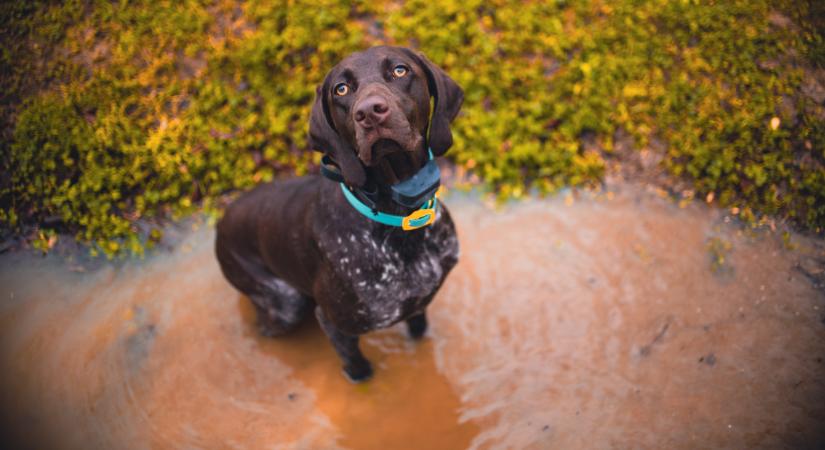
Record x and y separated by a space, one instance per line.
146 110
718 249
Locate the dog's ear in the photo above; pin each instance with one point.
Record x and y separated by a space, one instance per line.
447 96
324 138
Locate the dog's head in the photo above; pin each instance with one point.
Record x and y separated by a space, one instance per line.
372 114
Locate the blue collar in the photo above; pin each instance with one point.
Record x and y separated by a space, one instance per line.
417 219
403 193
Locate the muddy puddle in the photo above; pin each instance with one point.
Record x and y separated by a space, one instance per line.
601 322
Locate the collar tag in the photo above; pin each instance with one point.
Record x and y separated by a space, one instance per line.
418 218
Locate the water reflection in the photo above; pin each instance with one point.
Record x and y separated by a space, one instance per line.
592 325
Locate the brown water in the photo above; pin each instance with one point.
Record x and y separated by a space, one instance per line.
594 324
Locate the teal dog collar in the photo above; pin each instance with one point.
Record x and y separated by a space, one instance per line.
417 219
426 180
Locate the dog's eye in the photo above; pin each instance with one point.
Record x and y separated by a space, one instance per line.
341 89
399 71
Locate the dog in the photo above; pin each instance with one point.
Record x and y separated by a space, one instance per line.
314 244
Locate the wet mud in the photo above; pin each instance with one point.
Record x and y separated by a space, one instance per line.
609 321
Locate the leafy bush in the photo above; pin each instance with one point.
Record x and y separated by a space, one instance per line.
150 109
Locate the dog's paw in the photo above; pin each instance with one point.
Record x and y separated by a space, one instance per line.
417 326
358 373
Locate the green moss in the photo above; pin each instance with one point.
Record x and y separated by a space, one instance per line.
153 109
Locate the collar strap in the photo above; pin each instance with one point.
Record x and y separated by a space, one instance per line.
328 170
421 217
417 219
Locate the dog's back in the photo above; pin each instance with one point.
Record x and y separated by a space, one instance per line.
272 216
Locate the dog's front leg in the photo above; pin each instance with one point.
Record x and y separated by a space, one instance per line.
356 367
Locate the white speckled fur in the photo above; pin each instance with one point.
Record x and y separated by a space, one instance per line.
381 279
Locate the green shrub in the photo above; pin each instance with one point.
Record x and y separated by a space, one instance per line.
145 110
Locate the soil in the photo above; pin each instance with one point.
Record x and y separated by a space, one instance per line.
614 319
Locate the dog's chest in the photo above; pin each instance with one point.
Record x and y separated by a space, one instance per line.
389 275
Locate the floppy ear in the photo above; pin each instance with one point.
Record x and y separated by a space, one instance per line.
324 138
448 97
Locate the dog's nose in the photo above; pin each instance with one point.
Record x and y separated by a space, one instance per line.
371 111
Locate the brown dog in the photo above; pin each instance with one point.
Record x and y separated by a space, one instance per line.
298 244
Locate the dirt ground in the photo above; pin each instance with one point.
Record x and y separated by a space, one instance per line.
609 320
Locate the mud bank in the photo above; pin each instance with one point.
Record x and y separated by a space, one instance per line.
598 323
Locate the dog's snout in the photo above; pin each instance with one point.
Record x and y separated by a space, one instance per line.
372 111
